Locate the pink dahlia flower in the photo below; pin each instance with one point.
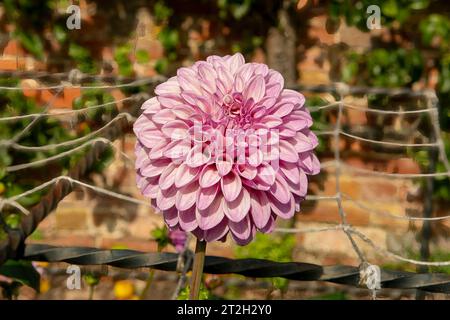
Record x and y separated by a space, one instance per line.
223 148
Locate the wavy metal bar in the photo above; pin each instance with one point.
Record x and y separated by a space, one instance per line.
253 268
13 245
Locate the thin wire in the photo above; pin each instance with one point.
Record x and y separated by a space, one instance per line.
394 175
68 112
317 198
388 214
309 230
392 112
389 143
434 117
23 132
366 239
64 154
135 83
80 183
342 213
68 143
386 143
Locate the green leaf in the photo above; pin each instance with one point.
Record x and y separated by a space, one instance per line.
22 272
419 4
161 65
31 42
142 56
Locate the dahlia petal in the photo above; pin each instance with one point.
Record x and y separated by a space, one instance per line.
171 86
163 116
283 210
244 242
241 229
303 115
177 149
211 216
295 122
183 111
288 152
224 165
187 219
269 227
290 171
306 162
285 132
281 110
197 156
255 158
224 80
258 112
231 186
167 177
148 138
208 77
185 175
154 168
206 196
237 209
260 208
218 232
312 138
303 183
186 196
247 171
208 176
266 173
275 83
151 106
171 217
271 121
158 150
188 81
267 102
235 62
260 69
175 129
142 123
280 190
288 95
169 101
302 143
151 190
255 89
166 198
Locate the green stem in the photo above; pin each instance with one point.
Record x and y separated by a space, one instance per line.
197 270
148 283
149 280
91 292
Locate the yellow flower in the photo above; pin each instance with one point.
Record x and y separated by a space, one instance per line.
124 289
42 264
45 285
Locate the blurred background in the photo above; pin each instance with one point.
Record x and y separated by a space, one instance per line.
311 42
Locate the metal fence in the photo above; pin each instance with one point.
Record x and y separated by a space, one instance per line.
96 142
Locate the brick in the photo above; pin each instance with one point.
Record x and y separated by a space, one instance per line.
350 186
13 48
71 218
327 211
67 240
407 166
379 190
141 226
384 221
129 243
